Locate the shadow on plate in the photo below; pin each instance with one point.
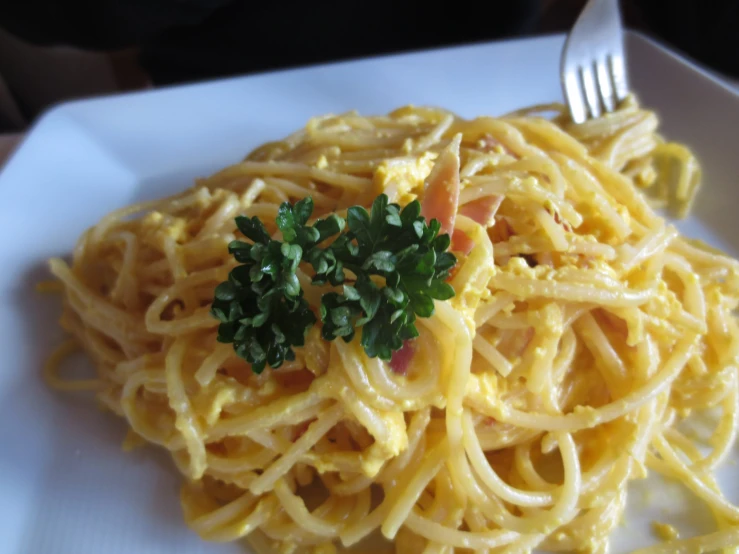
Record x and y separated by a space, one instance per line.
48 453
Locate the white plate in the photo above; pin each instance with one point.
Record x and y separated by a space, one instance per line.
65 486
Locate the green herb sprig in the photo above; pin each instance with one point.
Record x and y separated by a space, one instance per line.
391 262
261 307
409 262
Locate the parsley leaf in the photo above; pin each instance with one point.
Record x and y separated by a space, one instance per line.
391 262
261 307
391 244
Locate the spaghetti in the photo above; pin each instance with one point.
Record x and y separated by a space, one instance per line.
583 329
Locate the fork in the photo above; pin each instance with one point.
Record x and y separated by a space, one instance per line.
593 66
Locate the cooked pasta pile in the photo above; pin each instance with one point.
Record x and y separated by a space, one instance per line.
584 328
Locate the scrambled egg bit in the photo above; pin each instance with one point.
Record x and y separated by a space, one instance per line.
402 179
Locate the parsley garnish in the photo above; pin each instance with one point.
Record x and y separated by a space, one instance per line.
261 307
391 262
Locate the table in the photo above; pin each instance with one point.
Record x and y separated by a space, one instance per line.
8 143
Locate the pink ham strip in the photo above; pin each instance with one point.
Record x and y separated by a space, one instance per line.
461 242
482 210
402 358
441 199
441 192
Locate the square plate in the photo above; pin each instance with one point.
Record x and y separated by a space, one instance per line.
66 486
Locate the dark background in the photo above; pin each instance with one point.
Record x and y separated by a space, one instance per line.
161 42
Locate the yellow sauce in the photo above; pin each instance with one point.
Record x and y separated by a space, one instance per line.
665 531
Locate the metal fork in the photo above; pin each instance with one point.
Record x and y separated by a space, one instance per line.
593 66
